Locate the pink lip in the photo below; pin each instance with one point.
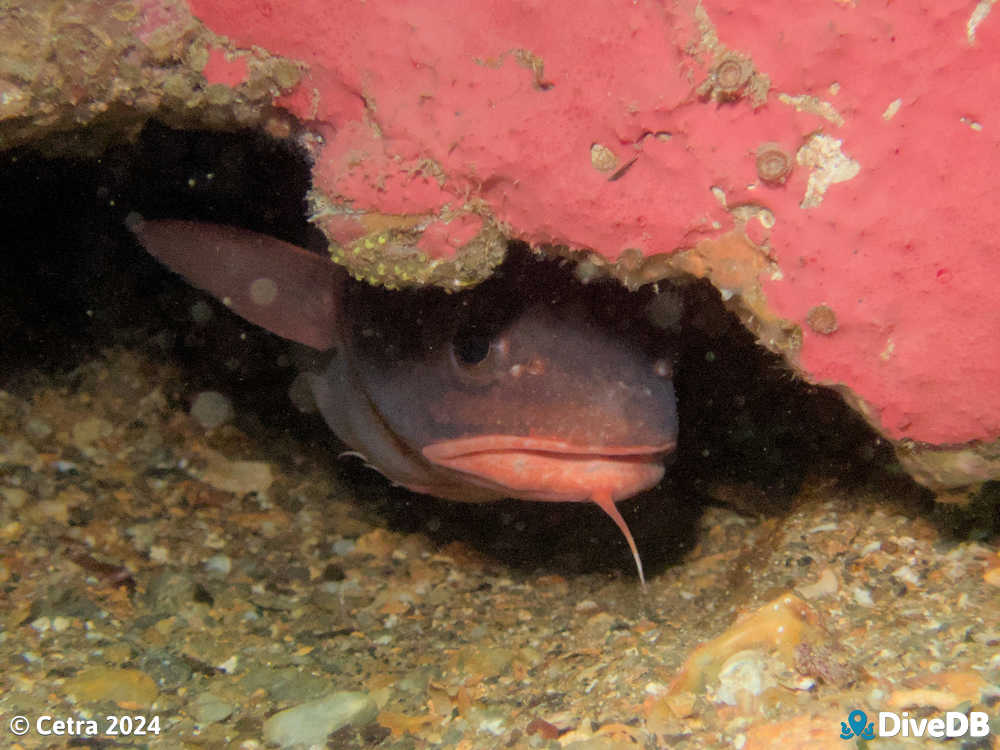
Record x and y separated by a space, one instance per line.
448 449
552 470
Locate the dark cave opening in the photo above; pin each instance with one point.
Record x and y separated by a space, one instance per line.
75 282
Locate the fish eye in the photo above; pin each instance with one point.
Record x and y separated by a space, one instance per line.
470 349
478 359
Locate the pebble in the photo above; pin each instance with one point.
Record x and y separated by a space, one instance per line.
285 684
237 477
37 428
208 709
168 593
485 661
343 547
906 574
992 575
123 686
89 430
18 452
211 409
229 665
14 497
61 624
41 624
494 720
826 584
310 723
220 564
863 597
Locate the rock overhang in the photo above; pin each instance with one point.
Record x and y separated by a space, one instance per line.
826 169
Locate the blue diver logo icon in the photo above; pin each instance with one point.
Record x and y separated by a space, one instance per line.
859 726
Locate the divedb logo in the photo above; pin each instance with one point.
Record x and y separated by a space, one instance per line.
891 724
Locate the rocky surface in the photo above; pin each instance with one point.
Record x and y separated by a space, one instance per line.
247 588
156 561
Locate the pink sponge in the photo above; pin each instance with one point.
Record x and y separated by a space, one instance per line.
854 146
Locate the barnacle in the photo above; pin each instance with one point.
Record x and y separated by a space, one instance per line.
732 77
822 319
774 164
732 73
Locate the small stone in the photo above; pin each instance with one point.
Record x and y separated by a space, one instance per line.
906 574
19 452
60 624
41 624
493 720
343 547
211 409
825 585
992 573
237 477
89 430
488 661
168 592
220 564
12 531
681 704
122 686
229 665
863 597
14 497
310 723
37 428
208 708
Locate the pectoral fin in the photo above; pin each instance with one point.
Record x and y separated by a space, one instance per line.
278 286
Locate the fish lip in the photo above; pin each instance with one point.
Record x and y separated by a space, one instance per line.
551 470
446 450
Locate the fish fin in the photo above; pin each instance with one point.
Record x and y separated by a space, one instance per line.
607 504
278 286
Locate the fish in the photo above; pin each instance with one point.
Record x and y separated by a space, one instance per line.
531 385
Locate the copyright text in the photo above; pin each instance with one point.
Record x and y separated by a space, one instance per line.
125 725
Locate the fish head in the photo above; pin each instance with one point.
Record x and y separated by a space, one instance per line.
532 385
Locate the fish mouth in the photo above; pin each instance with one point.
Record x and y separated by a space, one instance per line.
552 470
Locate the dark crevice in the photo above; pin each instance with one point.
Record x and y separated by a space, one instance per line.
75 282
